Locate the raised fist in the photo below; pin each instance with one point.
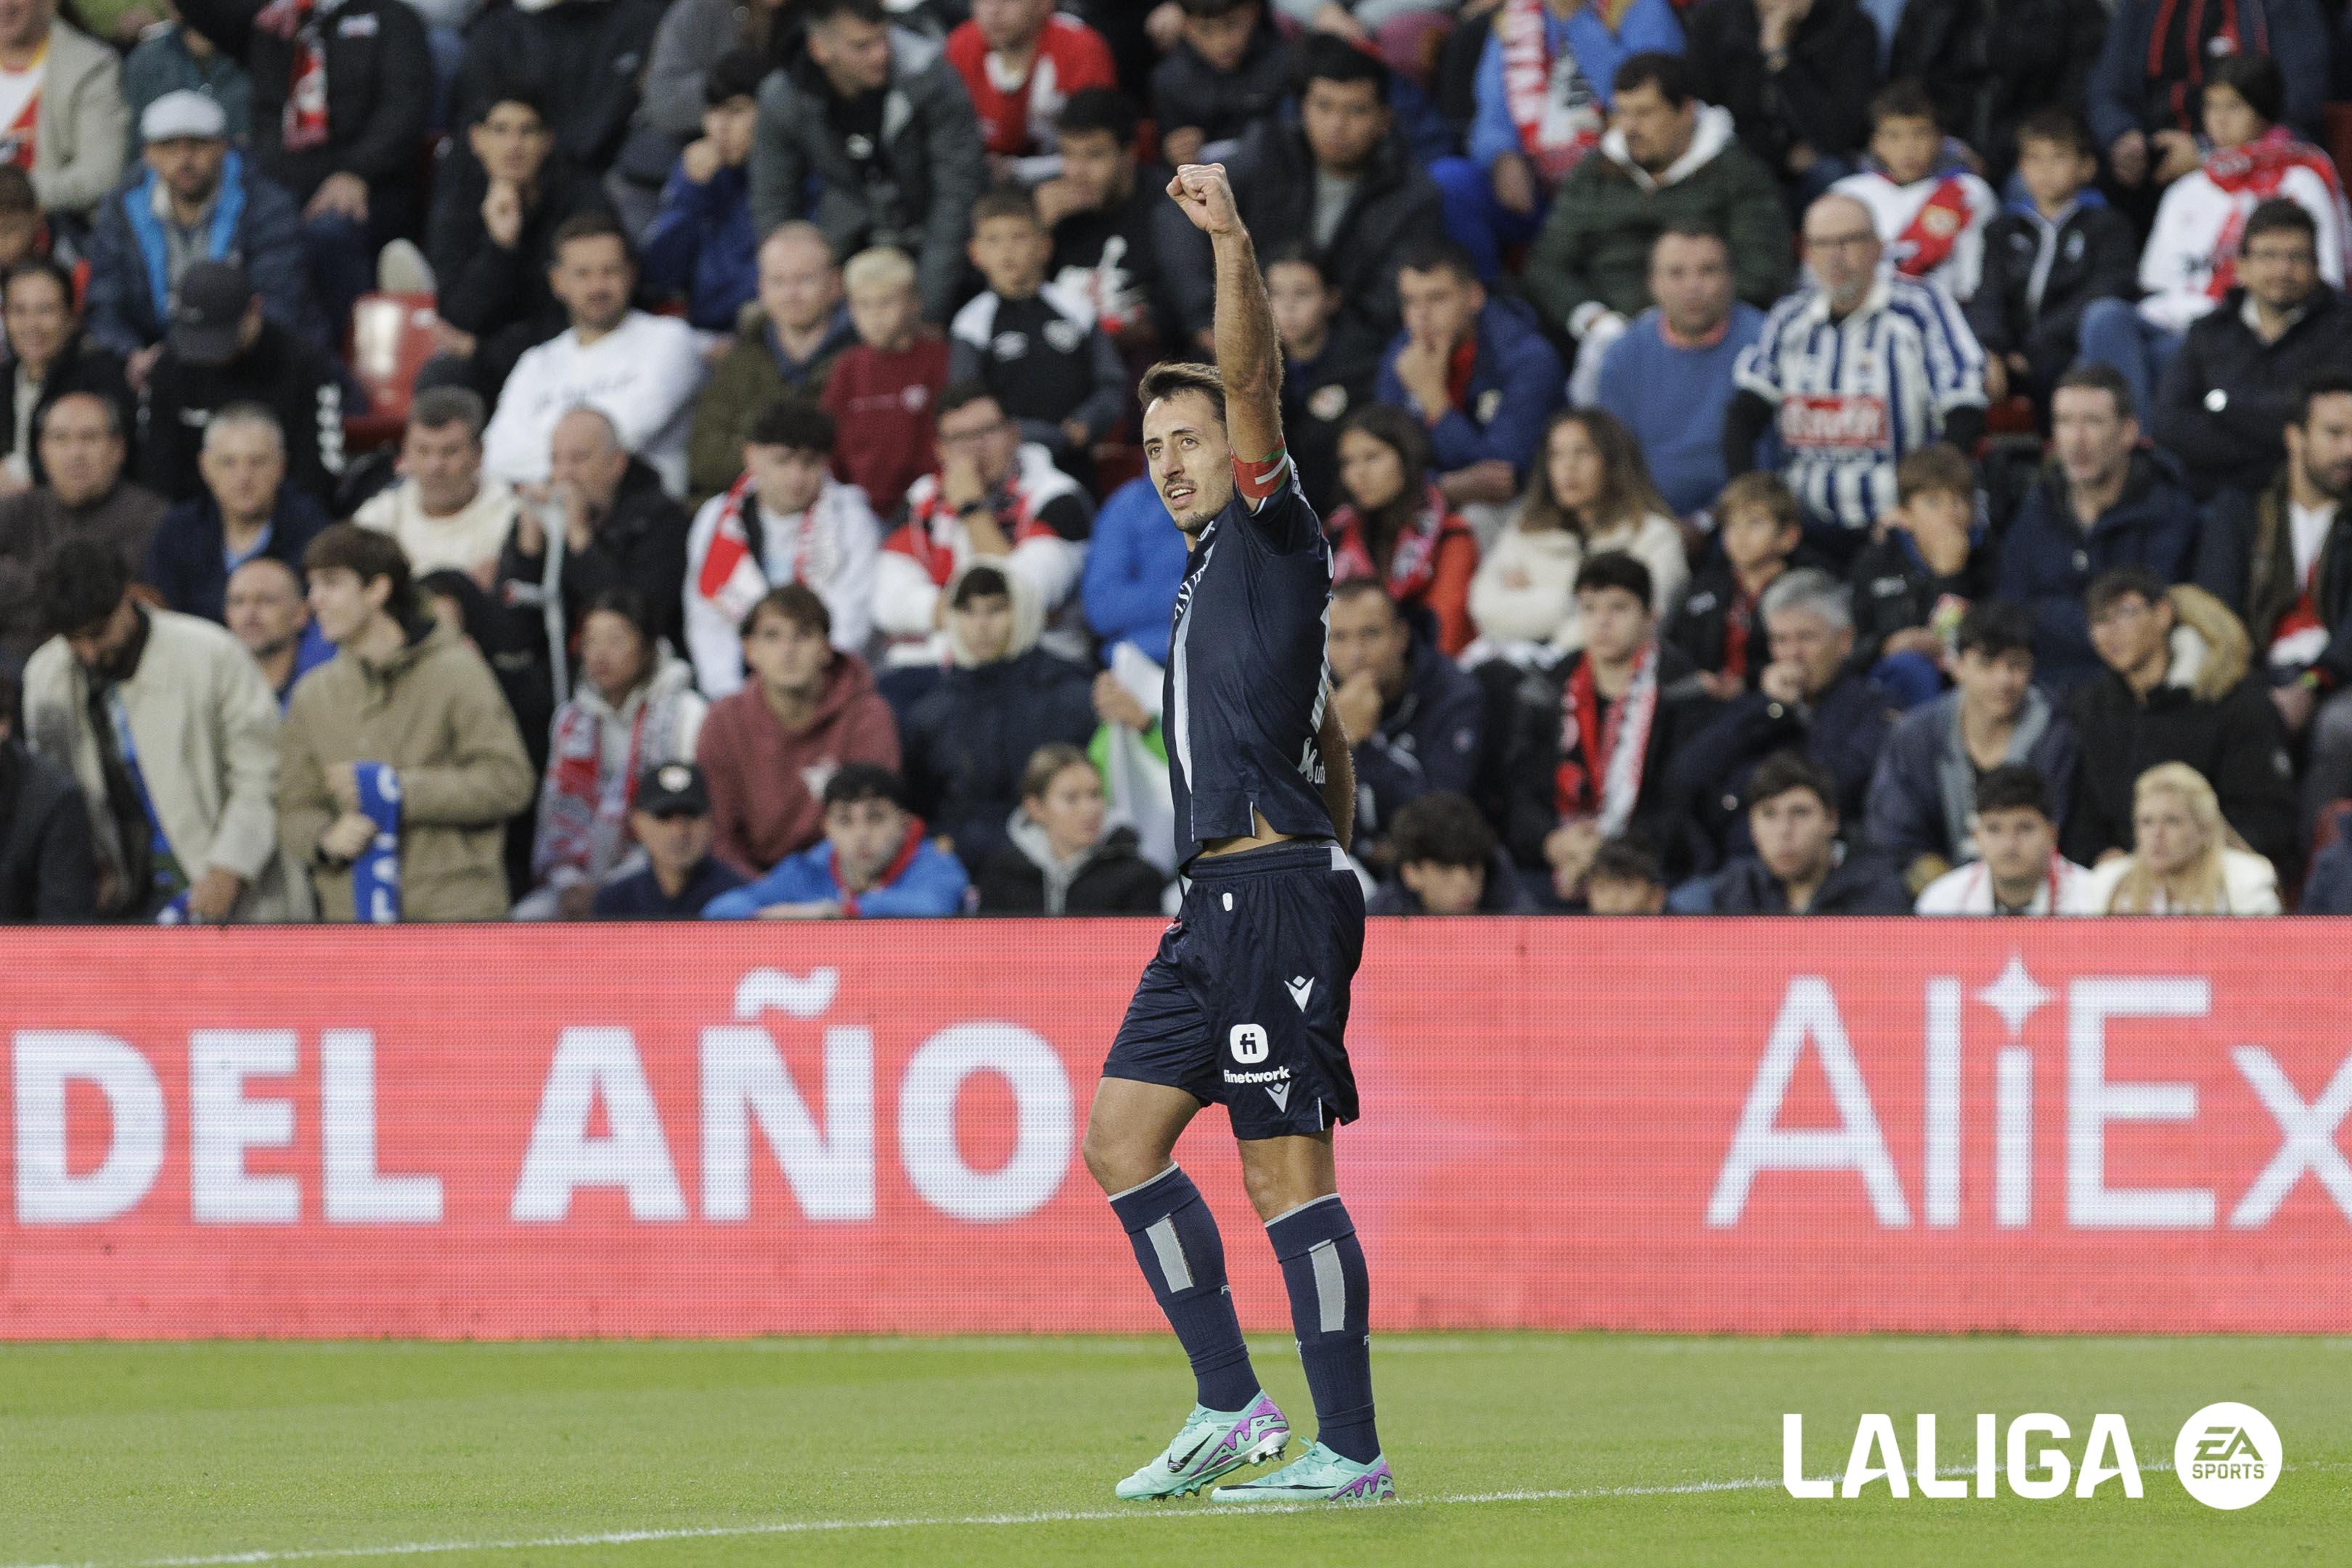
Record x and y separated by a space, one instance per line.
1206 196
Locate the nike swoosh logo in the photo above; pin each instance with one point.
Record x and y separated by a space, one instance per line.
1175 1467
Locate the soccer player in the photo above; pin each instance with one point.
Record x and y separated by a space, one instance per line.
1245 1003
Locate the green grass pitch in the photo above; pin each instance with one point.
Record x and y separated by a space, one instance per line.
988 1451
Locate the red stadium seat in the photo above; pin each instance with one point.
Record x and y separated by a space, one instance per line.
2012 417
391 339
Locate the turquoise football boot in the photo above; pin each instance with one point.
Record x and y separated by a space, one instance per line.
1213 1442
1318 1476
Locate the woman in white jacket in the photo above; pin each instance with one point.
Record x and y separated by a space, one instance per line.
2182 862
1591 492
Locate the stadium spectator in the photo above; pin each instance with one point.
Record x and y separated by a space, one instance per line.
1021 63
442 511
67 123
1809 699
877 122
401 761
1799 867
640 371
1059 858
670 817
2104 504
339 110
787 519
172 57
1396 527
247 509
1226 72
880 390
498 199
47 357
2176 689
1667 162
24 230
1104 215
1447 862
808 712
701 246
1914 582
635 709
618 529
994 498
1134 562
2052 261
1475 371
1668 377
47 875
1718 626
196 200
874 862
1989 68
585 59
2018 869
968 738
1922 806
265 611
1543 90
2141 97
1930 209
171 737
2222 403
1339 182
224 349
787 345
2182 862
1593 739
1797 76
2327 884
1037 348
1413 718
1854 370
694 35
1624 880
2191 259
2282 560
1329 366
82 449
1589 495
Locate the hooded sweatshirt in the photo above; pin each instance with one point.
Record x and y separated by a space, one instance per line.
1108 877
766 782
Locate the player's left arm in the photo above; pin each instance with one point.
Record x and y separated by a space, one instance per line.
1339 773
1249 351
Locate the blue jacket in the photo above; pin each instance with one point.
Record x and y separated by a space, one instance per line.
186 563
1925 789
2118 96
1647 24
1133 567
701 245
2047 561
253 221
926 881
1516 381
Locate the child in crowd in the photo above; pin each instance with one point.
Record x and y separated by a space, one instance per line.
1034 347
880 391
1916 578
1229 67
1761 532
1101 210
1930 211
702 244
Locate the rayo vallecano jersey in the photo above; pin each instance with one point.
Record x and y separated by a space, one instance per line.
1244 689
1855 397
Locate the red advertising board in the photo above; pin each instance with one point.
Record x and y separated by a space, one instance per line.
1744 1126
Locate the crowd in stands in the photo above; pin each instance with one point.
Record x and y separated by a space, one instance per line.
1799 456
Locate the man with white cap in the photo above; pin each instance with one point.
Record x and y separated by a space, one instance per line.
193 199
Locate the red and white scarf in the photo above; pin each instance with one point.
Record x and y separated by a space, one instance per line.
934 535
1413 561
734 577
301 23
1554 107
1615 749
2258 169
1926 241
584 811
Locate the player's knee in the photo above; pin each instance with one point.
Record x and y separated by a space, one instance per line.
1115 1160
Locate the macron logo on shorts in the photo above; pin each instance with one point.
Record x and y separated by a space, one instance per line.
1300 988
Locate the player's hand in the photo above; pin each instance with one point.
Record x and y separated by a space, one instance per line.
1207 198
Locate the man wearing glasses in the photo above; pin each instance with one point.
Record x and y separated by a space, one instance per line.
1857 368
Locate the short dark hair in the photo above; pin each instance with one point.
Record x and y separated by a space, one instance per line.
1782 771
1905 99
795 422
2277 215
82 583
510 90
962 394
1938 467
627 604
1324 57
367 555
2117 582
111 409
39 267
868 11
1100 109
1365 588
2254 77
797 602
1170 377
589 223
1441 828
979 582
738 73
1434 253
856 782
439 407
2057 124
1670 74
1625 860
2319 384
1206 9
1295 253
1006 200
2013 786
1615 569
1993 627
2097 375
1691 228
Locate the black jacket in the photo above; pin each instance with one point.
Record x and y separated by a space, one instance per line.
1317 396
2241 443
285 374
1843 731
1821 98
2245 558
1112 880
1861 884
639 545
969 738
2095 256
1987 64
1274 186
1894 590
585 62
81 366
379 70
499 295
2048 561
1187 92
46 871
1427 742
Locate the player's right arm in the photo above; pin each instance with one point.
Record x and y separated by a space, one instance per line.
1249 351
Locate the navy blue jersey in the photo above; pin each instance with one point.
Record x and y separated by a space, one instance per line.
1243 696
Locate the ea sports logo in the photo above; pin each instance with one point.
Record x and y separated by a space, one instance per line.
2228 1456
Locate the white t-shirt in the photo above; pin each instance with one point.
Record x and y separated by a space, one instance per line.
643 376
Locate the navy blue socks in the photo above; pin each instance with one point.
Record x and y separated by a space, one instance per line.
1176 1241
1330 1311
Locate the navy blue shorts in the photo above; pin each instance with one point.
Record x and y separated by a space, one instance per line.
1245 1003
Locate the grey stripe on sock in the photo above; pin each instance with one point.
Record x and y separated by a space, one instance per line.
1331 1286
1162 1232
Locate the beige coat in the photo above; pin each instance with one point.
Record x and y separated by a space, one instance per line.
206 726
83 125
435 713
